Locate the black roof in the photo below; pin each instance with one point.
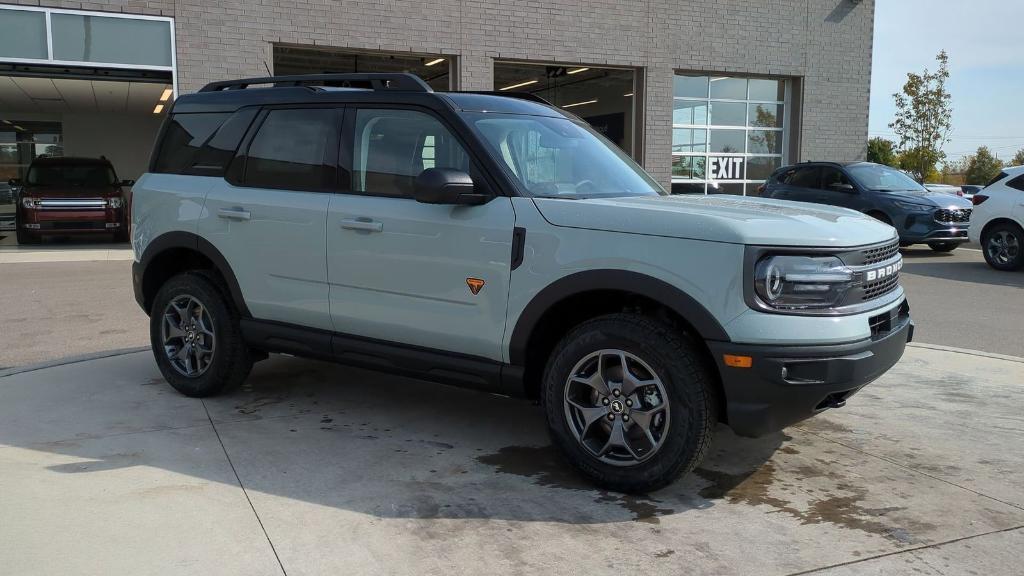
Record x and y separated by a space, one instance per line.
229 96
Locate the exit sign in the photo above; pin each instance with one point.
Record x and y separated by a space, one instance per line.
725 168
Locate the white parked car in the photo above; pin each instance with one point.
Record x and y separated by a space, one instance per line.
945 189
997 222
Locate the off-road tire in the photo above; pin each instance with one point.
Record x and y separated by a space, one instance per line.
231 361
687 379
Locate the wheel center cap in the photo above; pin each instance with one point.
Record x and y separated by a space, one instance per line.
617 407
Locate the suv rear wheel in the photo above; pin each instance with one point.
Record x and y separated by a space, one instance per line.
629 402
1003 246
193 328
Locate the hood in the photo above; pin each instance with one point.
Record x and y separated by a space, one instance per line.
927 198
734 219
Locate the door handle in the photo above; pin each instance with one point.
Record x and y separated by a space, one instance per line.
364 224
234 214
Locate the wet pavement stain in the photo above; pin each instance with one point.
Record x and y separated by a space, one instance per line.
544 465
846 511
256 404
664 553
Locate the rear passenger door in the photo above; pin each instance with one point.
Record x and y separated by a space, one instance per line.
400 270
268 216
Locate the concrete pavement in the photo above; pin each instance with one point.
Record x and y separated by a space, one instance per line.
319 469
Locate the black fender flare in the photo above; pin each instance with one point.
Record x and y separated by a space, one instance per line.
196 243
680 302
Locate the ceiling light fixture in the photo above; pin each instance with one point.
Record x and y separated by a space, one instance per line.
579 103
159 108
8 122
520 85
166 95
432 62
628 95
577 70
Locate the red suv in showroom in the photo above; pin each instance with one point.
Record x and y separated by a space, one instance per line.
71 196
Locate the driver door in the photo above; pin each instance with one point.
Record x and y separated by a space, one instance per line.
399 270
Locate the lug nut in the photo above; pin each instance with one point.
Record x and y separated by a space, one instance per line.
616 392
629 402
625 417
604 401
611 416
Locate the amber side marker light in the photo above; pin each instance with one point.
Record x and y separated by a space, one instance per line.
738 361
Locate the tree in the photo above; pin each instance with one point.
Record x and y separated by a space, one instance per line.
1018 158
923 119
882 151
982 167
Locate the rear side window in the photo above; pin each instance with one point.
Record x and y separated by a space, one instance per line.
184 136
293 150
997 179
1017 183
802 177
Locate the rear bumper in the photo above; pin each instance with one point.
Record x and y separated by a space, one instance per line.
787 384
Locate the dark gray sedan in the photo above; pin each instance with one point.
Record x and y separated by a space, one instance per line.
920 216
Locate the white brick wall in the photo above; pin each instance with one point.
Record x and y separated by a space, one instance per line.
827 43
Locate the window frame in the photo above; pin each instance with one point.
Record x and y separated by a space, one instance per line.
482 179
237 172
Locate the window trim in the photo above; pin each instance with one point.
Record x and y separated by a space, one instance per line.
237 171
482 178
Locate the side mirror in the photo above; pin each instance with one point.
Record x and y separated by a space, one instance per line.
446 186
838 187
127 183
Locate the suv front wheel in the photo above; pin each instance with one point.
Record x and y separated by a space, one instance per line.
196 340
629 402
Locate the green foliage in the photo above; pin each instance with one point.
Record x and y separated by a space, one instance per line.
923 119
1018 158
882 151
982 167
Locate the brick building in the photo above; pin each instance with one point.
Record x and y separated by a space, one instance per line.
709 95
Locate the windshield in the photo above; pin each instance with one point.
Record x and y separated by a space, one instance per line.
72 175
557 158
877 177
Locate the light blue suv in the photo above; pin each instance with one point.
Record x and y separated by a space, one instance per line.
496 242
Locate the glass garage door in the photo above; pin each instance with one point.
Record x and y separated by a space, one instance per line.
728 133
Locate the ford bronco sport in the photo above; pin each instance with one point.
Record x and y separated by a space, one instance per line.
497 242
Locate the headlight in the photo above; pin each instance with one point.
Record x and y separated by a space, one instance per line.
802 282
115 201
30 202
911 207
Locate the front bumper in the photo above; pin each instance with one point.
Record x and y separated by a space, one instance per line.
920 229
787 384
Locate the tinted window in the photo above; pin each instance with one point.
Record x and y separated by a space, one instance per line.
292 150
219 150
1017 183
831 175
802 177
996 179
392 147
90 175
184 135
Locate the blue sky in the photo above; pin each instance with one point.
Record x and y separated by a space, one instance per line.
985 44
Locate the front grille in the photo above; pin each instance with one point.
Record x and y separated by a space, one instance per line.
881 287
955 216
880 253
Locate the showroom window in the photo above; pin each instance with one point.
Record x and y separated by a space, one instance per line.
728 133
603 97
434 69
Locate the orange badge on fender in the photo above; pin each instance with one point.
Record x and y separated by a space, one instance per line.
475 284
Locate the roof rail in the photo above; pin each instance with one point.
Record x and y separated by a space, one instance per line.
520 95
379 81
